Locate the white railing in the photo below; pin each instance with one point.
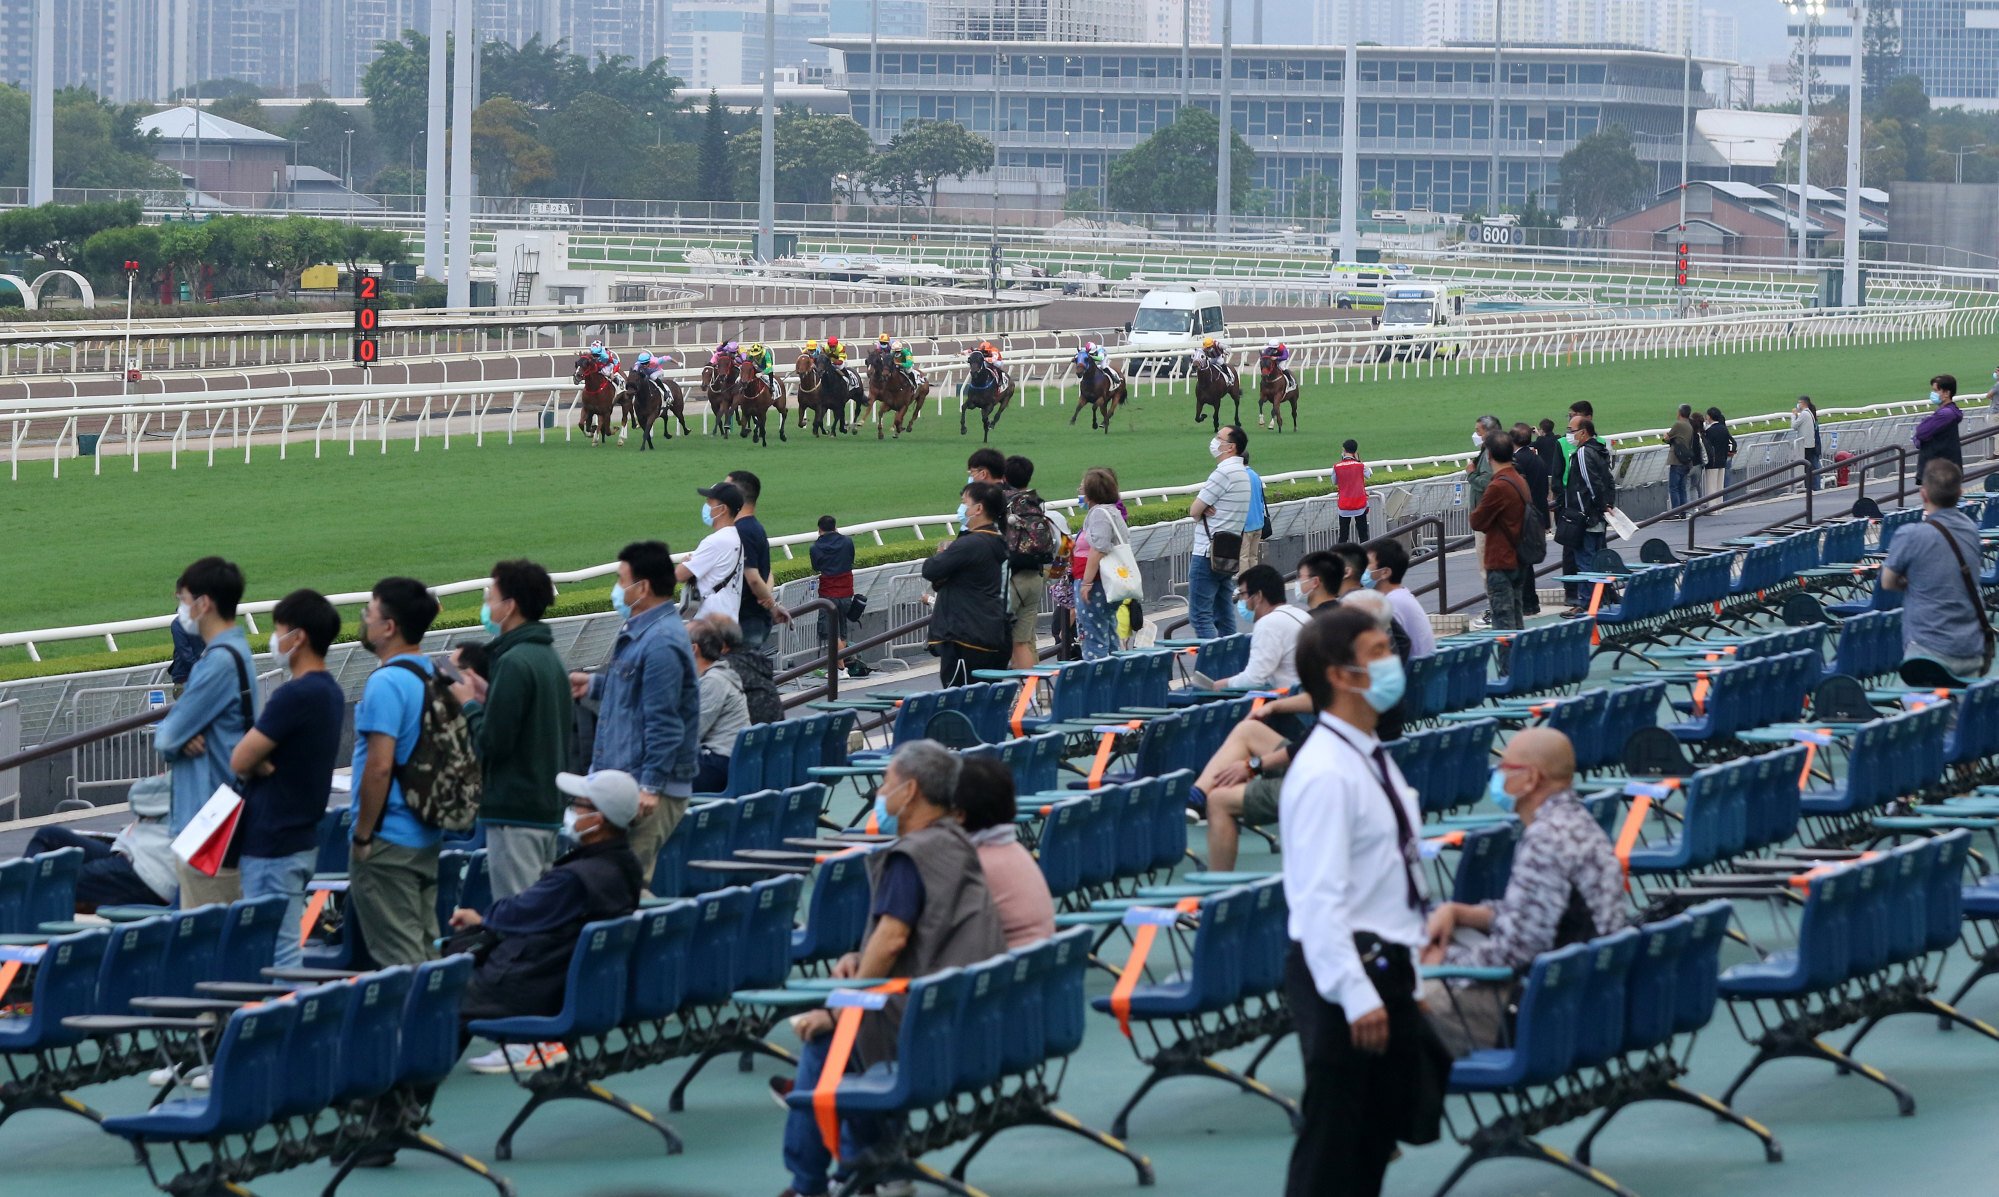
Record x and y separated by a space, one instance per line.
1638 441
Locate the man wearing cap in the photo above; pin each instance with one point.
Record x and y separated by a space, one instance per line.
716 568
534 933
137 868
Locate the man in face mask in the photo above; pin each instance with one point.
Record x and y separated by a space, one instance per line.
288 758
1566 887
534 932
1222 508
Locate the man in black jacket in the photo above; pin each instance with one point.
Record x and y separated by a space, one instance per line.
1591 491
533 934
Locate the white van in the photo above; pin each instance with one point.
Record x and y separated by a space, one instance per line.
1414 317
1169 325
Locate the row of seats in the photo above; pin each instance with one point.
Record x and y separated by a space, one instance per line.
1185 739
1446 766
1451 679
1714 815
1551 656
1106 841
38 889
717 830
776 756
988 706
1736 698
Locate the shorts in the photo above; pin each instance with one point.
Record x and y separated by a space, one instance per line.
1259 800
1024 590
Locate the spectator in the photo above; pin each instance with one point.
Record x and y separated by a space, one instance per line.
521 716
1591 492
1697 469
716 568
833 561
968 627
1805 426
1936 562
1353 564
1478 471
1352 885
1388 564
649 707
1553 454
986 807
931 910
1319 577
1350 476
1681 455
1937 436
288 759
187 649
1030 551
392 863
473 657
987 465
723 709
1501 515
137 867
752 669
1533 467
523 968
1377 607
1566 887
1717 450
1103 528
218 704
1273 635
1221 507
755 617
1256 522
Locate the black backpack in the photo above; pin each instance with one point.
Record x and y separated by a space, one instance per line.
1532 547
1030 537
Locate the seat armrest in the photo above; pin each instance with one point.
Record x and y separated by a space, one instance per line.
107 1024
248 991
1463 972
311 974
189 1007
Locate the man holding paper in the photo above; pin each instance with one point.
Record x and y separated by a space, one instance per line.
202 728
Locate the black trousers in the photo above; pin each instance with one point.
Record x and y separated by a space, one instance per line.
955 662
107 879
1350 1096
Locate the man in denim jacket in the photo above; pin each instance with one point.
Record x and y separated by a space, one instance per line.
649 699
213 711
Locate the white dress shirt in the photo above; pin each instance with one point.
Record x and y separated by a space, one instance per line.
1343 871
1273 651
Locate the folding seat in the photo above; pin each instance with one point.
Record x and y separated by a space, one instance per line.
836 915
310 1073
65 984
714 956
757 821
979 1044
193 944
1060 850
706 832
244 1081
336 831
135 965
799 817
1423 693
1544 1036
765 954
925 1065
1485 861
997 708
52 887
1169 813
1600 1022
370 1031
17 879
1134 829
249 939
1044 763
657 975
1694 845
1099 857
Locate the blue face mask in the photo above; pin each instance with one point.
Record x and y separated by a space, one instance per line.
884 822
1936 397
1385 682
707 515
1243 612
1495 789
964 516
619 602
1367 581
487 621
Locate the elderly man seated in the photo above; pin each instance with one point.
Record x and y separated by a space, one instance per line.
1566 887
930 911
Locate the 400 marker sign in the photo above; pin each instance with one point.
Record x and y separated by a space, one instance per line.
367 319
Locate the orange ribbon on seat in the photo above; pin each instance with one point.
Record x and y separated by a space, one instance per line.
1104 745
1134 967
1024 703
1595 601
825 1095
314 906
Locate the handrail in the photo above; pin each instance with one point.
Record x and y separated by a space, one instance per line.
76 740
1438 554
835 655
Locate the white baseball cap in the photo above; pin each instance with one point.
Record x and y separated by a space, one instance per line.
613 792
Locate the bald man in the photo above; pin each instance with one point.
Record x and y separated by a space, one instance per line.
1566 887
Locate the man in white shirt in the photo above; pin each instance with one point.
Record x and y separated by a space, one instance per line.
1374 1071
1221 507
716 568
1388 564
1273 638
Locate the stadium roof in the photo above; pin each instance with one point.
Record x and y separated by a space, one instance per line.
177 124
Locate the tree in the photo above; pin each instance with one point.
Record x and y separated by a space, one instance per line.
1601 176
397 85
1175 169
361 247
809 151
714 182
184 250
1880 50
284 247
1905 102
1082 201
539 74
924 154
1315 196
96 144
320 129
588 139
104 254
505 152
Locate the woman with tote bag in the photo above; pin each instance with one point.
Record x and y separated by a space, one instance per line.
1110 571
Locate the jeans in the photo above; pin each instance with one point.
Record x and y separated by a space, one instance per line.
107 879
805 1154
1357 518
1210 600
282 877
1676 485
1099 623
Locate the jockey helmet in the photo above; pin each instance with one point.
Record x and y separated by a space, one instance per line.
1089 347
600 353
812 347
986 347
644 357
757 350
1207 342
883 339
596 345
832 342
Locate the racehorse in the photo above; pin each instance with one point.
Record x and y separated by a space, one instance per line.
718 382
652 400
1103 391
600 394
890 390
1213 380
822 392
988 389
755 396
1277 385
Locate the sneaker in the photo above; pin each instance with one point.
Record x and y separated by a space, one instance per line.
1481 621
196 1078
518 1057
780 1089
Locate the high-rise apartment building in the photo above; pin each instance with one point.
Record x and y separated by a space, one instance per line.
1036 20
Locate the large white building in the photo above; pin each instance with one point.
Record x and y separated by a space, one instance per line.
1667 25
720 43
1037 20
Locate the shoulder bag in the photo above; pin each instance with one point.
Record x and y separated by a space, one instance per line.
1971 591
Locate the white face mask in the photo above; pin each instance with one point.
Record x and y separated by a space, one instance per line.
1215 447
570 817
284 657
185 617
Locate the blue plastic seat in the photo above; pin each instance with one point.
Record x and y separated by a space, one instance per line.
706 832
371 1033
17 879
1820 959
593 998
657 976
65 984
311 1070
837 915
1600 1025
979 1043
1544 1040
766 943
925 1065
1213 977
715 955
1060 850
52 887
249 939
194 944
244 1079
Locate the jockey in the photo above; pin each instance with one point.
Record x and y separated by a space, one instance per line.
1092 356
651 368
607 361
1216 355
836 351
905 360
765 360
1276 353
730 350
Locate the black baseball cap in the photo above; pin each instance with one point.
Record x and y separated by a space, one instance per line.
728 494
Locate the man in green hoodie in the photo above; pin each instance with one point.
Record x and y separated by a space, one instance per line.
520 717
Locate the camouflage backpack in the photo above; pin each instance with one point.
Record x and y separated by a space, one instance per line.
441 780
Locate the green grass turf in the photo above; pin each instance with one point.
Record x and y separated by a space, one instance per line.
86 548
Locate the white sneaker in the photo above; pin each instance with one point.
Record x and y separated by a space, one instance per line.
1481 621
523 1058
160 1078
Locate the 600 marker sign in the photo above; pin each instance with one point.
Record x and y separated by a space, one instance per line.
367 319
